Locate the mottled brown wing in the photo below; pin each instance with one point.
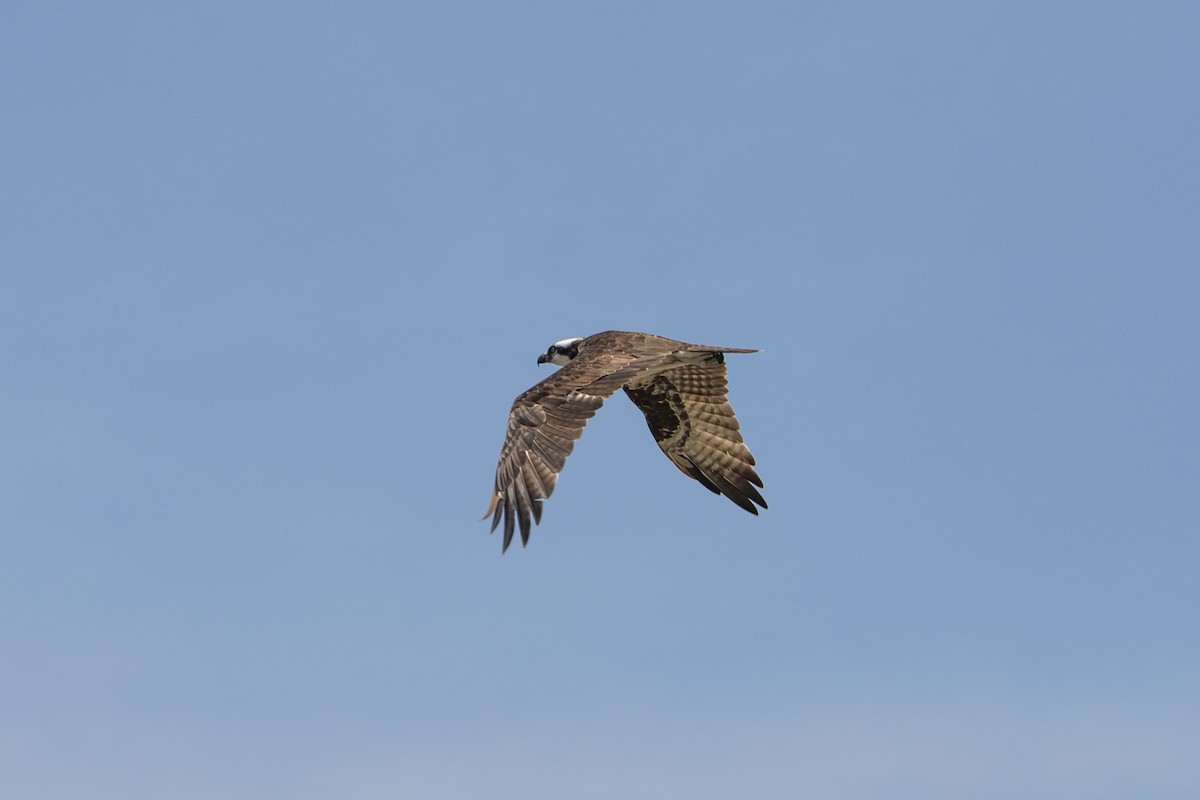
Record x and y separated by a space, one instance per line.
688 412
546 421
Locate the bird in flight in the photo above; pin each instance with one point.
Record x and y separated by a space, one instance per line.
680 388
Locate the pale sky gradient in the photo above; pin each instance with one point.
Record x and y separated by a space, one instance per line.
272 276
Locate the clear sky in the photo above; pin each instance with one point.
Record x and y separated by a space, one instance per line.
272 274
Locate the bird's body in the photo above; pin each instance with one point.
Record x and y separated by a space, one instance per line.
681 390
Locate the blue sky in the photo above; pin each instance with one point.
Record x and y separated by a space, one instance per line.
273 275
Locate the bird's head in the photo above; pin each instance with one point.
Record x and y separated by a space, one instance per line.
561 353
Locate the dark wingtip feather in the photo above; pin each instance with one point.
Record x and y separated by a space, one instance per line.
523 518
493 511
509 527
515 519
742 501
741 493
698 475
753 494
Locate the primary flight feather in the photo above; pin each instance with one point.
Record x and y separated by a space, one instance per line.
680 388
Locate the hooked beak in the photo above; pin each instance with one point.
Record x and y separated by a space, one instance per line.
542 359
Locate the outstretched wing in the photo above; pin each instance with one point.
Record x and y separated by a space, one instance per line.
546 421
688 411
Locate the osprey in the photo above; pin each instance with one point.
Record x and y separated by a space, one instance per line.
681 389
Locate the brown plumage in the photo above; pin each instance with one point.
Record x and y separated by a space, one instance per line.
681 390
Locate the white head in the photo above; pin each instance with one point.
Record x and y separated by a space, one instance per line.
561 352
